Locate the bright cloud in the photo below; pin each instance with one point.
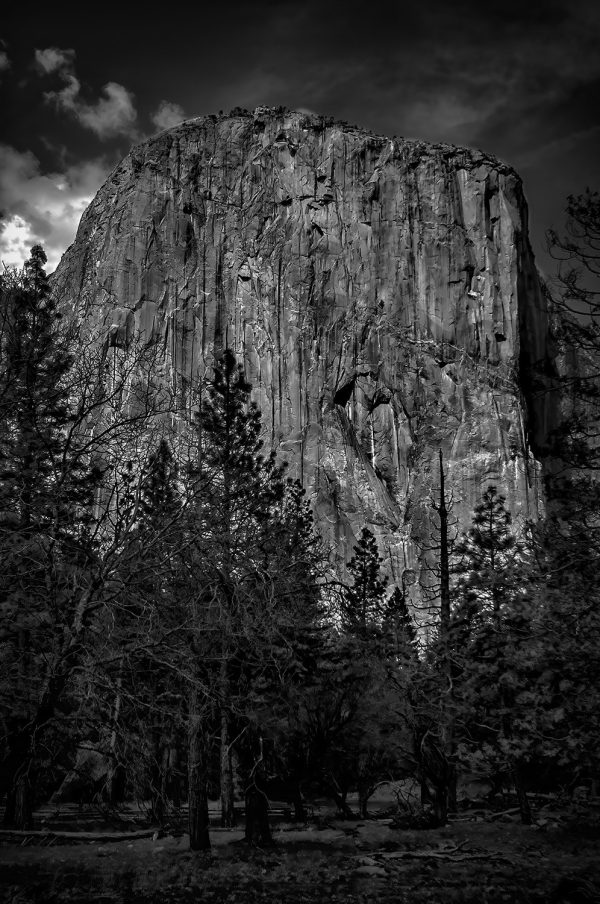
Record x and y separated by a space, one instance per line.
112 114
39 208
168 115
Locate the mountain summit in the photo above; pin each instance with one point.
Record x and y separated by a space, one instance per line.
380 293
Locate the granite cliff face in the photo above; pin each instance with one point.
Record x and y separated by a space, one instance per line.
381 294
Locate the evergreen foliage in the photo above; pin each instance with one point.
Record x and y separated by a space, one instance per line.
399 627
63 426
495 661
163 598
567 624
569 540
487 551
43 479
46 490
574 300
159 496
363 602
144 670
258 560
295 558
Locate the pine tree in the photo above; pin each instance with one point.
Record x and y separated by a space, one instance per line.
159 500
297 626
567 625
296 560
419 674
574 300
66 420
145 675
363 602
490 632
428 686
234 511
349 728
487 552
46 486
239 487
35 407
398 625
570 537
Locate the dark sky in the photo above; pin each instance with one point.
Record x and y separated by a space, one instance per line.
79 85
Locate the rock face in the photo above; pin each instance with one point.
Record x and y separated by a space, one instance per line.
381 294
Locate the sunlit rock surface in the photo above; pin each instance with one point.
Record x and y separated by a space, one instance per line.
381 294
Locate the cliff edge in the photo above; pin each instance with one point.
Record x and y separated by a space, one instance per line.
381 294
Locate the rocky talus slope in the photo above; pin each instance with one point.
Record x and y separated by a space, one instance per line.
381 294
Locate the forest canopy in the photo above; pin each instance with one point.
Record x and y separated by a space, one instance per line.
172 623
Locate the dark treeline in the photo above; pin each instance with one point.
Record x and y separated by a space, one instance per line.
171 625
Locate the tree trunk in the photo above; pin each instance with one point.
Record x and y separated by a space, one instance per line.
20 745
158 777
452 801
258 830
341 804
8 820
115 782
299 808
524 807
363 802
197 793
23 818
440 805
165 770
444 560
448 735
19 807
227 796
173 776
15 780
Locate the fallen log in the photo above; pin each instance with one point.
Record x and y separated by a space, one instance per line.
25 836
438 855
512 812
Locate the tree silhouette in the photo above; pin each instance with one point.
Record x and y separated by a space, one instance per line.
362 602
46 488
490 632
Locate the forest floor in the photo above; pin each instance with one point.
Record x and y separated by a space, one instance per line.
479 858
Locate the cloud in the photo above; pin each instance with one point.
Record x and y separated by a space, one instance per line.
168 115
52 59
40 208
112 114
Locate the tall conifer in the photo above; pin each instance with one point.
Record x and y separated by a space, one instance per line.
490 634
239 489
46 488
363 602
